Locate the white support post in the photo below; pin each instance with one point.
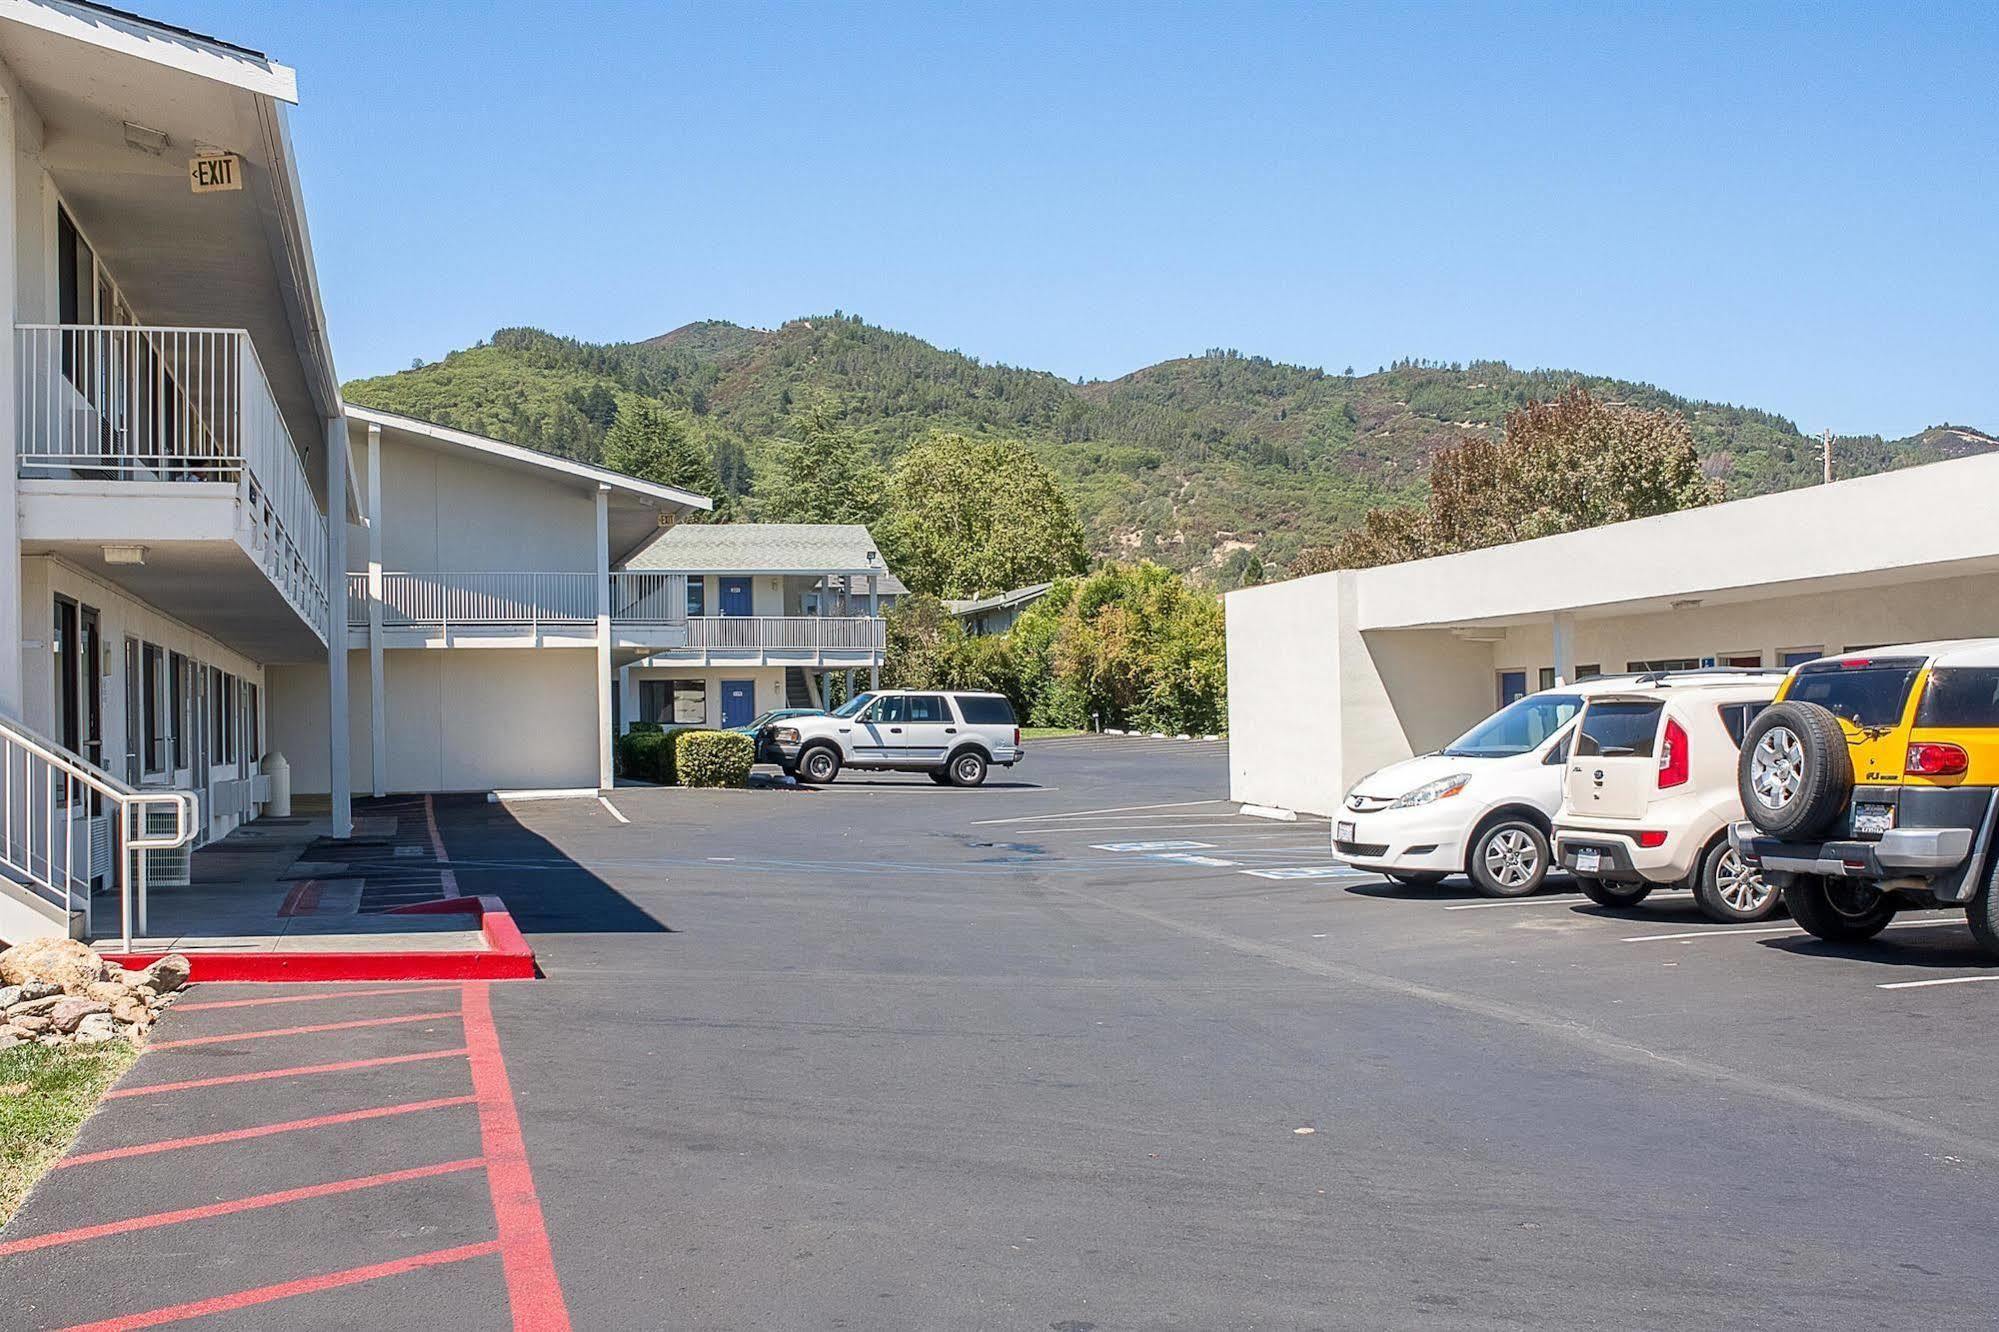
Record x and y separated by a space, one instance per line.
378 722
1565 648
627 704
339 768
605 775
12 696
874 612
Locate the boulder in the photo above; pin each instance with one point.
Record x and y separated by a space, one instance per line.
8 1040
166 975
95 1029
73 1009
39 990
9 996
64 962
34 1007
132 1011
34 1024
109 991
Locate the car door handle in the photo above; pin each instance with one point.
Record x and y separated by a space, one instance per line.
950 730
895 730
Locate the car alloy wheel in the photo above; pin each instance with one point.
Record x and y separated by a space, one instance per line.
1741 887
1511 858
1776 768
819 766
968 770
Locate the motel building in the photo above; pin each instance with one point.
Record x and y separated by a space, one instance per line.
1335 675
228 586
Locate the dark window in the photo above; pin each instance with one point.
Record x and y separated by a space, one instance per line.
1866 693
1735 717
255 722
177 704
888 708
697 596
1589 672
1960 696
927 708
1663 664
1547 677
985 710
1618 730
69 711
155 729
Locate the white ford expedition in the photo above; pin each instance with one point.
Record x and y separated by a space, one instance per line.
955 737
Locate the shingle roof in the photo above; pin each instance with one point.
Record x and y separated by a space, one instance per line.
761 548
1019 596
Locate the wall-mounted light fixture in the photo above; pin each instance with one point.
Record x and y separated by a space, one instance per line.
124 554
146 140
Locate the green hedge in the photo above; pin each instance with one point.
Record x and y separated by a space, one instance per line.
647 755
714 758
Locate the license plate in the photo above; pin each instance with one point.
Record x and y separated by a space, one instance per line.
1343 832
1873 819
1588 861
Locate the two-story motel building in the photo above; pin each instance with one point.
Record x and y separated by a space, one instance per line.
209 558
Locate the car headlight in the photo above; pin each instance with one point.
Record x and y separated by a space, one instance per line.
1429 793
785 734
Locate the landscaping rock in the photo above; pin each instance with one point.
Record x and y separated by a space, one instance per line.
132 1012
8 1040
109 991
95 1029
166 975
39 990
29 1024
9 996
29 1007
71 1010
64 962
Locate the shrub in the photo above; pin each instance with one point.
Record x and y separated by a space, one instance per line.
650 728
714 758
646 752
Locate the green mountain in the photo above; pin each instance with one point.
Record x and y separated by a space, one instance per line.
1197 462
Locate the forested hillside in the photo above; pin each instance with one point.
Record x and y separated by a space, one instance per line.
1214 464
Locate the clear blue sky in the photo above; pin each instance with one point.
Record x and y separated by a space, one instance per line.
1796 208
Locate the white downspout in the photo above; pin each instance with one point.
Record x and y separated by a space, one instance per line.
606 778
339 769
12 698
378 722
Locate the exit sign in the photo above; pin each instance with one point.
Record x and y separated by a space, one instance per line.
215 171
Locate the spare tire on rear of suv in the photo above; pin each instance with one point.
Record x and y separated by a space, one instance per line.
1795 774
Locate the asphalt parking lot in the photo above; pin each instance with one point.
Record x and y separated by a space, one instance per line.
1087 1049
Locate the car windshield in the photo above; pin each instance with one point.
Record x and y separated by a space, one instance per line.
1517 728
853 706
1861 690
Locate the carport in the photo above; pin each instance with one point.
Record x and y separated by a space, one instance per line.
1335 675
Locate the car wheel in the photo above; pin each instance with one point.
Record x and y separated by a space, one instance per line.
819 765
1426 879
1982 914
1796 772
1603 892
968 768
1509 858
1729 891
1838 910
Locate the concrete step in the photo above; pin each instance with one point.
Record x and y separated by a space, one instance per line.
26 913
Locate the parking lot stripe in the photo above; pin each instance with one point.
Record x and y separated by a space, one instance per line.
1720 931
283 1290
303 1070
253 1203
1086 813
447 878
1941 980
303 1031
262 1130
612 809
533 1289
334 992
1564 899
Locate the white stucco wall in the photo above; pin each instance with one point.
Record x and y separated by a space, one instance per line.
1284 688
447 513
473 719
769 682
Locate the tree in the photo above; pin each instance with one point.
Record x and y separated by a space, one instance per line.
822 472
1565 464
652 442
969 518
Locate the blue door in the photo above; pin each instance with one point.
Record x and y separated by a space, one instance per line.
1512 687
739 702
735 596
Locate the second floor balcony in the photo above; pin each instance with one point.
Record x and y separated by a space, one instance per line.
647 610
168 442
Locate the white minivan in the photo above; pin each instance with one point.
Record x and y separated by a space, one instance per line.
1483 805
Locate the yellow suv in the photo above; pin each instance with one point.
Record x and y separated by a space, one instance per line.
1871 784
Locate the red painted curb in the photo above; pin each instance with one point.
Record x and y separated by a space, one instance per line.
505 957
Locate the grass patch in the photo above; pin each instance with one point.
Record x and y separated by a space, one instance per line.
1048 732
45 1095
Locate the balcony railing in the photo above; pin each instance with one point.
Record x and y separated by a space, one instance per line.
532 600
116 403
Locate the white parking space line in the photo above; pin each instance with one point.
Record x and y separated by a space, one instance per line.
1087 813
1154 846
1565 899
612 809
1940 980
1719 932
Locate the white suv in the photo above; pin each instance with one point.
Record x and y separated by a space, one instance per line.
1650 793
955 737
1482 805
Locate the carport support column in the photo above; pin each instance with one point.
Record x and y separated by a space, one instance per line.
1565 648
874 612
339 771
626 703
378 722
12 697
605 777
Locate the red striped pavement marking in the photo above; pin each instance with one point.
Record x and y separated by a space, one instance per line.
302 1031
284 1290
331 992
302 900
264 1130
230 1208
533 1290
302 1070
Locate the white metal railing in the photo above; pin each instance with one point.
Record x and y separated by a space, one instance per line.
527 599
48 798
643 596
824 632
112 402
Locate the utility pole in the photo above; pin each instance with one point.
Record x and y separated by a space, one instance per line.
1825 453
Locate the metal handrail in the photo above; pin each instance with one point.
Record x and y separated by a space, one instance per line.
51 779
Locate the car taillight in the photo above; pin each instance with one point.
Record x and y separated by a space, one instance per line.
1016 737
1648 840
1674 769
1928 759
